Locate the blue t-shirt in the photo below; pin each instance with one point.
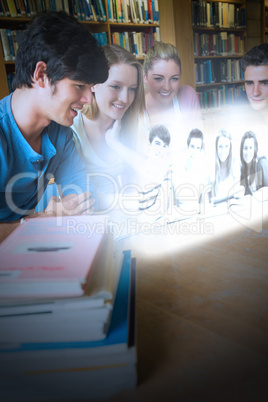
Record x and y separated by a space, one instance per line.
24 174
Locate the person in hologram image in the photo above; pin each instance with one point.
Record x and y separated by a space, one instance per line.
254 168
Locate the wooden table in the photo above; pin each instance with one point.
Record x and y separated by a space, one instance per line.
202 316
202 312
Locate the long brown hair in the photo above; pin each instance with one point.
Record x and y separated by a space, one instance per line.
118 55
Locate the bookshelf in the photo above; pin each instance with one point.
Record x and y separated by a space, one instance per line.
219 41
104 29
264 25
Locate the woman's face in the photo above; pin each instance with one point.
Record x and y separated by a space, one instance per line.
223 148
163 80
115 95
248 150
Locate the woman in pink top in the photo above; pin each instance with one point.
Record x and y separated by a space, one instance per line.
167 102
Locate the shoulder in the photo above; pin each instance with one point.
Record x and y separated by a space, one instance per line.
187 98
186 92
5 108
262 162
7 121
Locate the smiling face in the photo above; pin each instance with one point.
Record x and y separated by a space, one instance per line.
248 150
65 98
163 80
115 95
223 148
256 85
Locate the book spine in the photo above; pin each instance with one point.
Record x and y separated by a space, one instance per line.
104 18
5 45
12 8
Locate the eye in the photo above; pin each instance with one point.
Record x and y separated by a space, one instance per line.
116 87
134 89
175 78
158 78
248 83
265 83
80 86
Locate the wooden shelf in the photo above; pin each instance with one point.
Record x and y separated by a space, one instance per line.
218 29
218 57
217 84
131 25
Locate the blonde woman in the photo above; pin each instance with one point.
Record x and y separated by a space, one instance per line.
120 99
167 101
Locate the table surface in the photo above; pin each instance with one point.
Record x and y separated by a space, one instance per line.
202 313
202 310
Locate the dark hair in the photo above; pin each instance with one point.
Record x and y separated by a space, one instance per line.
247 176
161 132
257 56
66 46
195 133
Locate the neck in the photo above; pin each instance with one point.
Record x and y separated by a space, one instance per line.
98 126
154 105
25 110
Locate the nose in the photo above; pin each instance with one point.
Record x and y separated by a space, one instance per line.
166 85
87 96
256 89
123 95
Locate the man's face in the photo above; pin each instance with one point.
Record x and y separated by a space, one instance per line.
65 98
194 148
158 148
256 85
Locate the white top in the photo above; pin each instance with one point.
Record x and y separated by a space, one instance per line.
105 175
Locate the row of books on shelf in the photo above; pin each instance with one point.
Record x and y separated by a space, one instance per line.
124 11
217 15
67 311
10 43
88 10
28 8
218 44
210 72
218 97
133 11
137 43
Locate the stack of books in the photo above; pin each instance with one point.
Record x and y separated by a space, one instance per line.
67 311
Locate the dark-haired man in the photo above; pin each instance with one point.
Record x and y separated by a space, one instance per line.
57 62
255 67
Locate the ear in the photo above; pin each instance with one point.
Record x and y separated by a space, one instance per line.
40 76
145 79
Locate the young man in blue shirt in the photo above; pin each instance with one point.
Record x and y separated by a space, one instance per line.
57 62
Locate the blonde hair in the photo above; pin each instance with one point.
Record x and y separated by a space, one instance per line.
161 51
118 55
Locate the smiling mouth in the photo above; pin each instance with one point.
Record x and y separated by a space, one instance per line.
165 93
118 106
